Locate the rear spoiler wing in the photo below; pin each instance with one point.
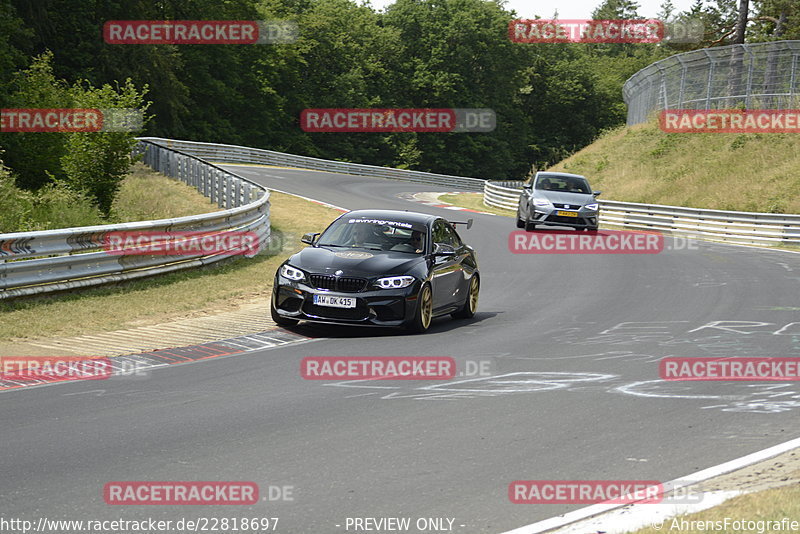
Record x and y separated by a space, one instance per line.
468 223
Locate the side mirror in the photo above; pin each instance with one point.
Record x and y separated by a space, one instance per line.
527 186
469 224
596 193
443 251
309 238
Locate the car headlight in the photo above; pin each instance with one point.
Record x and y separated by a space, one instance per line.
287 271
592 207
394 282
542 203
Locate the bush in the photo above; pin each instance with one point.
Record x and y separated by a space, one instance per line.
56 205
97 162
53 206
15 204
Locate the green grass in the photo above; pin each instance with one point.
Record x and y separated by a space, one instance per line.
150 301
772 505
742 172
146 195
143 195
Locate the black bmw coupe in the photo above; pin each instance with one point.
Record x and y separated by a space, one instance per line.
379 268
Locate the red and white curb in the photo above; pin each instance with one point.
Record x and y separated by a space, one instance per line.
137 365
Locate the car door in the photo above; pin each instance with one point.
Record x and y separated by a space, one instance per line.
446 269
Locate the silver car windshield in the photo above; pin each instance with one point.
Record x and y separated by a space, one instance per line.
563 184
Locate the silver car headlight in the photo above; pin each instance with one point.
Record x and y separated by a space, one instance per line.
592 207
287 271
394 282
542 203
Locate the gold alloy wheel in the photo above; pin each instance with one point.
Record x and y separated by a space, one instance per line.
426 307
474 289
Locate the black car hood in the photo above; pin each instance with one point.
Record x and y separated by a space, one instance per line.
354 261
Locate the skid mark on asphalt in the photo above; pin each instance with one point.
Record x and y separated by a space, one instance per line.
744 398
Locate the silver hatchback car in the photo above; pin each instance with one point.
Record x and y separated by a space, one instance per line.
558 199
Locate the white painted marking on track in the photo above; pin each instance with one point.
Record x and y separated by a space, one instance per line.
630 389
694 478
361 395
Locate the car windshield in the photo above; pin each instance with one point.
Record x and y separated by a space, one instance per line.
563 184
375 234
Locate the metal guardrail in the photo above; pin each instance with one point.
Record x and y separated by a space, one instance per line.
502 194
240 154
715 225
54 260
753 76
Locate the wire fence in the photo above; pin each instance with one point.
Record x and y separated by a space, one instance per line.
750 76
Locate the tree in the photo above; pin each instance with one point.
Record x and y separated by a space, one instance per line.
96 162
35 157
741 21
616 9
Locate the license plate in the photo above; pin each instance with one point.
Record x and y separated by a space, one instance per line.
567 213
334 302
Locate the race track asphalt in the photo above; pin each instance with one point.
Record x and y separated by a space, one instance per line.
571 343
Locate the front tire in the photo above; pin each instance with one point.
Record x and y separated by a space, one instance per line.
279 320
471 305
530 226
424 313
520 222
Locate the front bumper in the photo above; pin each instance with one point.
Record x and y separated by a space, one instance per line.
380 307
549 217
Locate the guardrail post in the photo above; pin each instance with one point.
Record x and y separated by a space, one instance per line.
190 169
214 183
173 166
